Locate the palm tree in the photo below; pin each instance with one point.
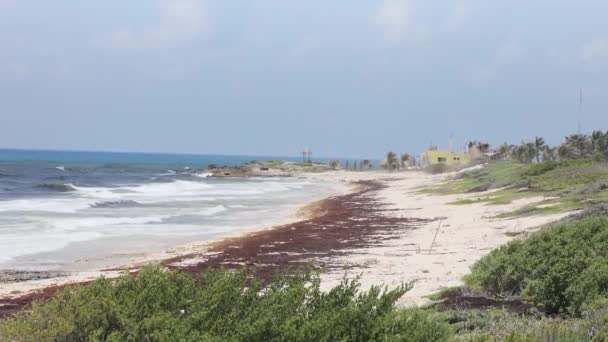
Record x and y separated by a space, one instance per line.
549 153
390 161
525 152
599 143
483 147
405 157
531 152
564 151
503 150
580 146
539 146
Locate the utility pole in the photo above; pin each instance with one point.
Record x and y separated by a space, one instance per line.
306 153
580 111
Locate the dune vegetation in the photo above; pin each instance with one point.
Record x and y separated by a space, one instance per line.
163 305
558 274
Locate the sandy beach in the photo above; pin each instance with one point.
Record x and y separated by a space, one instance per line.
385 230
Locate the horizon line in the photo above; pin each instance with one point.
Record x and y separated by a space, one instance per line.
175 153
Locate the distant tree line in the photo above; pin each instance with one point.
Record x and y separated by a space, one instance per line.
393 162
574 146
363 165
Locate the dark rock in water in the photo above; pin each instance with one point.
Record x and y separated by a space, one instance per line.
57 187
268 168
116 204
15 276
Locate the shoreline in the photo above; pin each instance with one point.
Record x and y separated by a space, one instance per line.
342 223
382 230
44 284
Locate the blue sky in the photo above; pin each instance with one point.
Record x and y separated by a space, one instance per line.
347 78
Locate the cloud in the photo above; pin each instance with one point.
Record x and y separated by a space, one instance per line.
181 22
509 53
595 50
393 18
417 20
459 16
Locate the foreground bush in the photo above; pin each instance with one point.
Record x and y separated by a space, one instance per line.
160 305
501 325
563 268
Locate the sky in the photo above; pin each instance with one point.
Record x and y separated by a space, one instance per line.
346 78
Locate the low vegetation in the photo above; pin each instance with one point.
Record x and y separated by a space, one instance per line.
501 325
161 305
563 268
558 274
566 185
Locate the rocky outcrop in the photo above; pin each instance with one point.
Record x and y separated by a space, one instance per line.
266 169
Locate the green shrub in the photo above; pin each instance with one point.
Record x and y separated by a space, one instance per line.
562 267
437 168
160 305
501 325
546 166
539 169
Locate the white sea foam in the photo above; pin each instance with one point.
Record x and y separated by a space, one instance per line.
62 168
17 244
175 210
180 190
175 187
153 193
78 224
213 210
202 175
64 205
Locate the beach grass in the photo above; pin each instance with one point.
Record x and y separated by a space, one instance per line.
566 185
559 271
492 176
500 197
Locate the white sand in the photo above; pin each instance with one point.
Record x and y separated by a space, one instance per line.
467 233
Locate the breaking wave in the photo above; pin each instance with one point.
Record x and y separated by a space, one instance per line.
202 175
57 187
117 204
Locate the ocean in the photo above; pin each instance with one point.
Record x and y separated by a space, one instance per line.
75 210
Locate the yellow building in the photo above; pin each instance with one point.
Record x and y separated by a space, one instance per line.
432 157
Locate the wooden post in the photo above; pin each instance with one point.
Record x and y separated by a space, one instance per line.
435 237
